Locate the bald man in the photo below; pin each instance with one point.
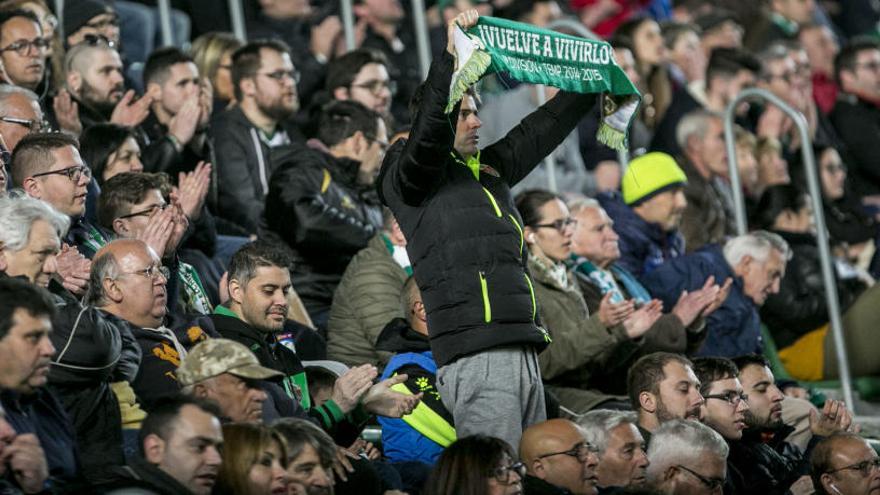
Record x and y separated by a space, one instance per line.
558 459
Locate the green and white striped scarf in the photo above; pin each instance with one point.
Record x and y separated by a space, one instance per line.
540 56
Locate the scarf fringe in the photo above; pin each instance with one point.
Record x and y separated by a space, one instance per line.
611 137
468 75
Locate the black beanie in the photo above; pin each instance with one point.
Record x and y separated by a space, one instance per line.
78 13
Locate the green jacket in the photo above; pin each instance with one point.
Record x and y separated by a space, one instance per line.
367 298
581 344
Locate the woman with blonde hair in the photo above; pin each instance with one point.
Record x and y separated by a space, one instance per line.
212 53
254 461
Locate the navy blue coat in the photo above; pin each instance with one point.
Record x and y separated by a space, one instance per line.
734 329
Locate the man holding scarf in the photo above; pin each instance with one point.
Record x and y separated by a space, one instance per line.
466 246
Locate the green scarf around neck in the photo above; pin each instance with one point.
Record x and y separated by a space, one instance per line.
540 56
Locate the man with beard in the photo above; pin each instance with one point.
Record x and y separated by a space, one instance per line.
264 81
558 459
622 457
181 445
31 409
259 287
323 205
129 282
362 75
662 386
22 49
763 461
93 77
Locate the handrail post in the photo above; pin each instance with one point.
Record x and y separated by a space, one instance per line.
236 18
549 160
815 191
423 46
164 7
347 23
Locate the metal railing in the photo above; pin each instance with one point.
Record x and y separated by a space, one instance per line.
815 191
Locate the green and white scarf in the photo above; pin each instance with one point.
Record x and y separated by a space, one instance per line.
540 56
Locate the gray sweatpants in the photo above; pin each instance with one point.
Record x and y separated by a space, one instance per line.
496 393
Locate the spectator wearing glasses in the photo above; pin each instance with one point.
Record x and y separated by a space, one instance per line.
687 458
845 464
212 54
477 465
362 75
23 49
558 458
323 205
20 114
622 457
90 17
581 342
264 81
856 116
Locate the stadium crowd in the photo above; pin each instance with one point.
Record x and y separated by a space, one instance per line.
276 266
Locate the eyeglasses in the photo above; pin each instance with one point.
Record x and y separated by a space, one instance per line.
109 21
281 75
23 47
864 467
151 272
711 483
376 86
559 225
581 452
32 125
95 39
732 398
146 212
74 173
502 474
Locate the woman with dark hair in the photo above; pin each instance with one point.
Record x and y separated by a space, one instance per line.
580 341
644 36
254 461
110 149
476 465
797 316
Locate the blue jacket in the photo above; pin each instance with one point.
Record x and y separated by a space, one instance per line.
734 329
400 441
643 246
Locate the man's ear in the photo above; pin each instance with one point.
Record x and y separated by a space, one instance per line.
154 449
112 290
669 473
419 310
74 82
120 227
3 263
200 391
648 402
248 86
538 469
32 187
744 265
236 291
155 90
341 93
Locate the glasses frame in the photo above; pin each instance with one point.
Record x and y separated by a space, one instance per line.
73 173
151 272
731 398
502 474
32 125
863 467
280 75
710 483
375 86
559 225
581 452
147 212
24 48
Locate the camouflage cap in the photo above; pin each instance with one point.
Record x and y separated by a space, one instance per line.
214 357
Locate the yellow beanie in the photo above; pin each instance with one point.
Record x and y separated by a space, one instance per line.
650 174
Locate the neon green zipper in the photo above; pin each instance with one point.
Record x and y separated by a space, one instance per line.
494 204
519 229
487 307
532 293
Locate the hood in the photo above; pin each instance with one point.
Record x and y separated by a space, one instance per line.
398 337
626 219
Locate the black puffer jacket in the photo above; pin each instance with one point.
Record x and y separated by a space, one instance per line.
318 209
800 306
465 235
756 466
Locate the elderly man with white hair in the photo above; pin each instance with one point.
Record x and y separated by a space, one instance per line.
756 262
595 252
622 457
687 458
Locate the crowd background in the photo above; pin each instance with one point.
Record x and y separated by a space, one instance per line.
202 292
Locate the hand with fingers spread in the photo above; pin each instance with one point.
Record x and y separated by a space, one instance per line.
130 113
26 459
834 417
184 123
324 36
384 401
180 225
158 231
369 451
352 385
611 314
192 189
641 320
691 305
67 113
73 268
466 20
720 297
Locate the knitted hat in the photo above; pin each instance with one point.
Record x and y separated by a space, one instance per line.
78 13
649 175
